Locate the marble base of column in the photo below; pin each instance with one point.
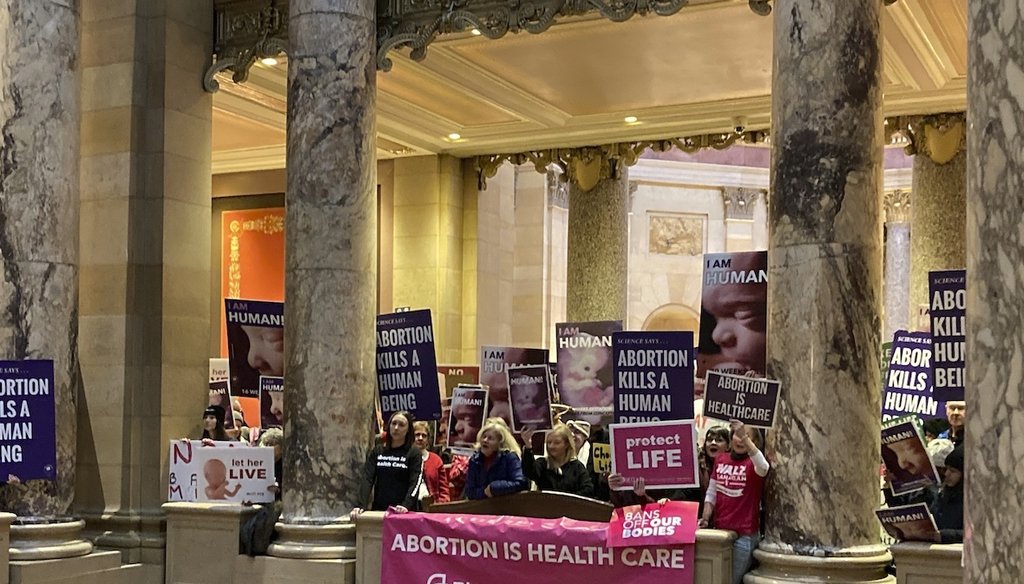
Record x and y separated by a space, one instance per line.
50 540
315 541
858 565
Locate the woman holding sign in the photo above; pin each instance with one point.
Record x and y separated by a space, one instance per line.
393 468
495 469
559 470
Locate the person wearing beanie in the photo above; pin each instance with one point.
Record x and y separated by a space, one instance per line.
948 508
213 424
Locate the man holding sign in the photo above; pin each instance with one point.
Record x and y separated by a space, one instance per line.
734 496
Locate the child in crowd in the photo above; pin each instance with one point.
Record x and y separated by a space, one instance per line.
559 470
392 471
495 468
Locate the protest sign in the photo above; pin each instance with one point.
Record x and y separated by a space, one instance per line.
219 369
255 343
220 395
672 523
529 391
28 431
909 522
469 410
553 375
494 361
271 402
663 453
948 309
750 400
455 375
602 455
734 307
585 369
653 374
187 466
406 365
908 377
438 548
907 464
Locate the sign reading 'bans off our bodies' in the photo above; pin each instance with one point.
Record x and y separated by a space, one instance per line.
948 307
663 453
439 548
407 366
653 374
750 400
28 432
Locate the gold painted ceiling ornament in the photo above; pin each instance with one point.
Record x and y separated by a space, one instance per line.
940 137
588 165
244 32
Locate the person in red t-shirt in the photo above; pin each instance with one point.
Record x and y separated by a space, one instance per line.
734 493
435 477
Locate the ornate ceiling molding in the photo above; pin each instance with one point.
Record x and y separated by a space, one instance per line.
244 31
588 165
938 136
764 7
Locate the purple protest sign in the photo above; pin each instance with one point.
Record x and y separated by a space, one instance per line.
255 343
529 389
908 383
28 433
653 373
909 522
494 362
407 366
948 307
272 402
907 464
585 381
751 400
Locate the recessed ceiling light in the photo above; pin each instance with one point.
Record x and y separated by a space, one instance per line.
269 61
476 32
454 136
629 119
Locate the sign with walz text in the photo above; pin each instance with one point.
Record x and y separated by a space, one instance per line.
750 400
947 293
909 522
255 343
28 430
585 376
529 391
468 412
440 548
671 523
653 373
908 377
908 467
663 453
406 365
227 471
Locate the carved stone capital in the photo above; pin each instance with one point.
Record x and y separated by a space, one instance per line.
558 190
897 206
739 202
940 137
244 31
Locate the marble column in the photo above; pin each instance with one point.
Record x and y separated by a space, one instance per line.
825 280
994 506
598 250
897 263
39 120
938 216
330 273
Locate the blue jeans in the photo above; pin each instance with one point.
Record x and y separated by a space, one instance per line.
743 555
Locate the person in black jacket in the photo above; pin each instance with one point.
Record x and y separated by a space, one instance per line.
393 469
948 508
559 470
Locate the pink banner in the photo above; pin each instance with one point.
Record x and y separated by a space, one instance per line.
437 548
655 524
663 453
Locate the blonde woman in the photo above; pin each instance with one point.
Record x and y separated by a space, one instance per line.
495 468
559 470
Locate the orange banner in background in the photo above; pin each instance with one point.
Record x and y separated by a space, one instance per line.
251 267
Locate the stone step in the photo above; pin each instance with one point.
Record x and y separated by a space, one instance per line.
126 574
62 569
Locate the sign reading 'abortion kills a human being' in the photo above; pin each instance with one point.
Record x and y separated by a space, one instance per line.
227 471
671 523
653 373
908 467
750 400
407 366
28 430
909 522
440 548
529 390
908 378
663 453
585 376
947 291
255 343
